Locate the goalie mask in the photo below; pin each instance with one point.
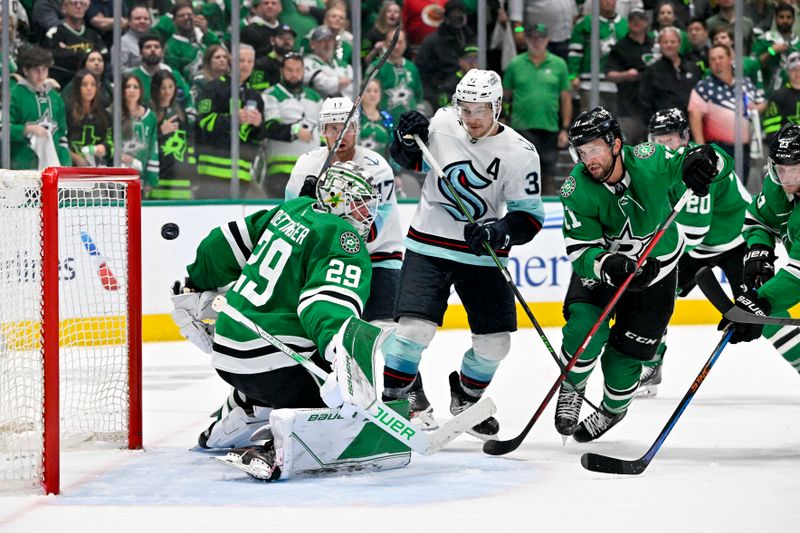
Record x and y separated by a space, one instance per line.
348 191
478 87
784 157
665 122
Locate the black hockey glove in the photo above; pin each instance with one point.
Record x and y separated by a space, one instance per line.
412 123
699 169
759 265
496 232
309 187
752 303
616 268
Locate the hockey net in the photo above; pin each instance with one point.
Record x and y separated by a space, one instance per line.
70 317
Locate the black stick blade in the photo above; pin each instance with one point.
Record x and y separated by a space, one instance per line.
501 447
610 465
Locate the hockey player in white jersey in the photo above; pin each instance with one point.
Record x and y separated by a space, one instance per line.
496 173
385 239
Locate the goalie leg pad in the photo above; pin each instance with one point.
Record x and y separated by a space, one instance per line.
318 441
237 422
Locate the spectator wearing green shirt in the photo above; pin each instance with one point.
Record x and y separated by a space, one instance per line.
537 86
400 82
613 27
773 48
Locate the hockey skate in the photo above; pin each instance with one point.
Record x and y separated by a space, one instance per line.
257 461
420 411
460 401
568 410
649 382
596 425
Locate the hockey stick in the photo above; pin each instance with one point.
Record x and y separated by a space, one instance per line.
611 465
367 80
426 153
708 283
107 278
501 447
383 416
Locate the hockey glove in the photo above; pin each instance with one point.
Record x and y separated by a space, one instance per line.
759 265
752 303
496 233
412 123
309 187
615 269
191 308
700 169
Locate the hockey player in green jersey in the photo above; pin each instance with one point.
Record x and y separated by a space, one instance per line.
711 224
299 273
773 216
614 201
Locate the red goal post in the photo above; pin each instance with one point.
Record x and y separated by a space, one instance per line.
70 317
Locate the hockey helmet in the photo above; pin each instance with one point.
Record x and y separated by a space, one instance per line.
480 86
665 121
784 156
597 123
334 110
349 192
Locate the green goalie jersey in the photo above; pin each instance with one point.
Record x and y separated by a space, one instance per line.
712 224
298 273
622 218
774 215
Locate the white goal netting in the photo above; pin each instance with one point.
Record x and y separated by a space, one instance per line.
91 261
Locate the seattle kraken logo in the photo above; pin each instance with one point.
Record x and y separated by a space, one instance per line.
463 178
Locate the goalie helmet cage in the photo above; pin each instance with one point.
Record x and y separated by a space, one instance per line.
70 317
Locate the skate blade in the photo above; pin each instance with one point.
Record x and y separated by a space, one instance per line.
481 436
647 391
564 439
256 469
425 421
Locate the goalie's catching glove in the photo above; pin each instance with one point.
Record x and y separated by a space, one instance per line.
190 309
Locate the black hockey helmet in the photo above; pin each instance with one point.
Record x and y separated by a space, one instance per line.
666 121
784 149
594 124
785 146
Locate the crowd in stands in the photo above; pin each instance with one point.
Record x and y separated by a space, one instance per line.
176 60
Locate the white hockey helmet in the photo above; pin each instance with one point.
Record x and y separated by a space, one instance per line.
334 110
349 192
480 86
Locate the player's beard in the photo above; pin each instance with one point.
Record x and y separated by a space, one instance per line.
293 86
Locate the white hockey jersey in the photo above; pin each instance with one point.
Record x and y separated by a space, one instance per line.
386 248
491 175
324 77
289 108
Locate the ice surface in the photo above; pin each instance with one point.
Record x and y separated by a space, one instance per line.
731 464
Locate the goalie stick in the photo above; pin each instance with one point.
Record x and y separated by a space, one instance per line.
502 447
380 414
610 465
708 283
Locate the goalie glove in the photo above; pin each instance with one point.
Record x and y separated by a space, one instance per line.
190 309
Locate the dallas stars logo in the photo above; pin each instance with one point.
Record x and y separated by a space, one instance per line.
350 242
626 242
399 96
644 150
568 187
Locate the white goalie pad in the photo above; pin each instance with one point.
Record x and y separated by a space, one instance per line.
318 441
